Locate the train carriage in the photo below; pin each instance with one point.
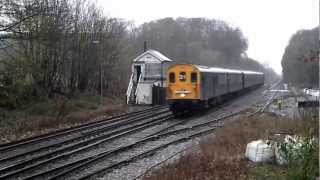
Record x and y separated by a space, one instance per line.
194 86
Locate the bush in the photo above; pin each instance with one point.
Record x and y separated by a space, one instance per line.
303 158
42 108
19 94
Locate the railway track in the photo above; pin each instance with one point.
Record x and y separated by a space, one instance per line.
210 127
117 127
95 135
82 163
268 100
68 158
45 137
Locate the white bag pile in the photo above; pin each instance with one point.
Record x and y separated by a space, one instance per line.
268 151
260 151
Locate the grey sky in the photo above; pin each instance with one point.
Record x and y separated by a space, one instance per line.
268 24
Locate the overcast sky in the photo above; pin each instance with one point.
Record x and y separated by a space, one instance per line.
267 24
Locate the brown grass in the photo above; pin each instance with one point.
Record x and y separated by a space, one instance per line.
41 124
222 156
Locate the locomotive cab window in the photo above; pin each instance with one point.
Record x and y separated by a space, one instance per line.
172 78
194 77
182 76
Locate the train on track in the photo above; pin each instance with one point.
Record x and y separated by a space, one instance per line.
192 87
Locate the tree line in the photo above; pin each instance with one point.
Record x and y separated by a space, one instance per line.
57 47
194 40
64 47
202 41
300 61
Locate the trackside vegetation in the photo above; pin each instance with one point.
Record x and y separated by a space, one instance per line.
222 156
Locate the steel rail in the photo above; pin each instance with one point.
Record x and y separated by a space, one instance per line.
62 132
76 148
165 145
84 162
82 136
97 156
147 153
185 149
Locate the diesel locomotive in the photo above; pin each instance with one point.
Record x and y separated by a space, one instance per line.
194 86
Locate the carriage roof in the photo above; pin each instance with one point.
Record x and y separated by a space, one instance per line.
224 70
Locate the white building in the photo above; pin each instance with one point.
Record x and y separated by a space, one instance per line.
148 70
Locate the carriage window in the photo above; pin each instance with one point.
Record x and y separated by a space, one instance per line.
193 77
182 76
172 78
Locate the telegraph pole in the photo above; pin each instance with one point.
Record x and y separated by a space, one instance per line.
101 74
318 63
101 85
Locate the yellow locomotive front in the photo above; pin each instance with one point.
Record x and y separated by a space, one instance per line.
183 86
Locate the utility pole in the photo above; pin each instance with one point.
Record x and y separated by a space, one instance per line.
101 73
161 74
318 64
101 85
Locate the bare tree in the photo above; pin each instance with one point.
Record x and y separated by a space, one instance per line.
55 42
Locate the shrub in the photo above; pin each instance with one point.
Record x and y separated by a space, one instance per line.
303 158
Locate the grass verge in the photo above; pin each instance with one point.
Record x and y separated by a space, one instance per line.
222 155
50 115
